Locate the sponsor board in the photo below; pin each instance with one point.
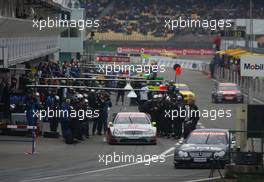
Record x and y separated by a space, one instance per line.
112 59
158 51
184 63
252 66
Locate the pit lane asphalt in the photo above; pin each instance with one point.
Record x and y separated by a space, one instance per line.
55 161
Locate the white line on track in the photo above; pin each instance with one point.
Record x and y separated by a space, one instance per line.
204 179
98 170
168 151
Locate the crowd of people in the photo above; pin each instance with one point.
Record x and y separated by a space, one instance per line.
147 17
224 62
74 127
158 105
97 102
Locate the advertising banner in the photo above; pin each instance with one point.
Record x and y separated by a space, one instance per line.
252 66
158 51
112 59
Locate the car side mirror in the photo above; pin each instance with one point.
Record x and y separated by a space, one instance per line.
154 123
181 141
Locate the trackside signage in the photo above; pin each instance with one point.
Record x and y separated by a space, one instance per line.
252 66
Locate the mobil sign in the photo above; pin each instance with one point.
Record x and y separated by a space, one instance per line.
252 66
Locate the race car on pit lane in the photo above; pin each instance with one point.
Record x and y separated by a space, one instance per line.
186 92
227 92
131 128
202 148
168 54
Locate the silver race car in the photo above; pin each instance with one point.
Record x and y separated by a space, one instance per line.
131 128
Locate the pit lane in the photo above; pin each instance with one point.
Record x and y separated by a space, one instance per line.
56 161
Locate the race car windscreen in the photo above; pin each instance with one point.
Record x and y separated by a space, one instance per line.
211 138
132 120
183 88
227 88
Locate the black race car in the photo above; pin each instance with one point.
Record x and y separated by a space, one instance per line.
203 147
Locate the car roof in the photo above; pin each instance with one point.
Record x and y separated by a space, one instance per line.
131 114
211 130
180 85
227 84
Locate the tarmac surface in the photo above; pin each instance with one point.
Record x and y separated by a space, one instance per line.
56 161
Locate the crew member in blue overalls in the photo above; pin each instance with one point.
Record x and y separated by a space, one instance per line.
32 107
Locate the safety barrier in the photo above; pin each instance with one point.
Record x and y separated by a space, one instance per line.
170 62
232 75
33 141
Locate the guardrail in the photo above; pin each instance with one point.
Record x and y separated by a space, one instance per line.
232 75
32 141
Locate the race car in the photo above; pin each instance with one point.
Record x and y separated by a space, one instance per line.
131 128
186 92
203 147
168 54
227 92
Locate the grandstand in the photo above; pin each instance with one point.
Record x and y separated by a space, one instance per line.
143 20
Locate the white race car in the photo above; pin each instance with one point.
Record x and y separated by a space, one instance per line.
131 128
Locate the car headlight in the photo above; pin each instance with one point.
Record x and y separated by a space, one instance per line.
219 154
183 154
118 132
149 132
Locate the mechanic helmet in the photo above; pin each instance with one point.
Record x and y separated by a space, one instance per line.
85 95
155 96
86 100
57 98
80 96
37 94
179 98
75 98
68 101
12 106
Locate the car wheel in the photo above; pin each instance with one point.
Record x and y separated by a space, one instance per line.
214 100
176 166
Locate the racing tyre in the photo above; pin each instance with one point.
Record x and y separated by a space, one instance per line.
177 166
214 100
